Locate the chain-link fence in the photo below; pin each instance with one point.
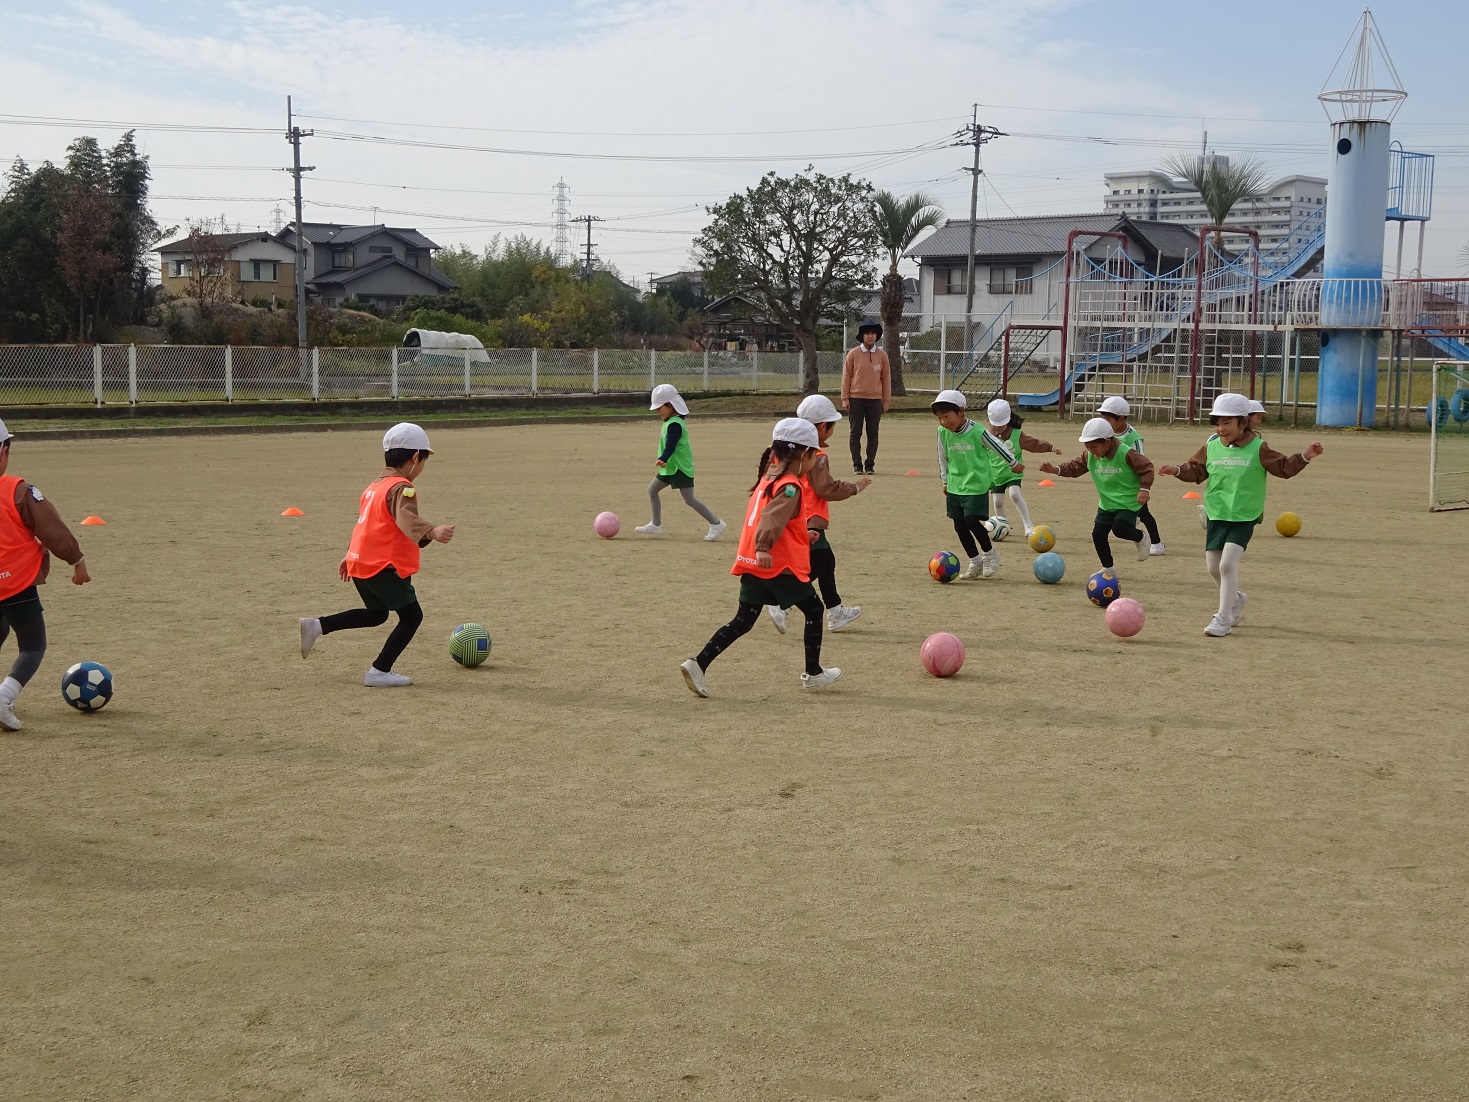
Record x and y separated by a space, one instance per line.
49 375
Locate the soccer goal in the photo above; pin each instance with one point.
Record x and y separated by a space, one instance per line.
1448 421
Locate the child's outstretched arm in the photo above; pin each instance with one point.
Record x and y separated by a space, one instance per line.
1030 443
1195 470
403 504
1072 468
41 517
1287 466
833 489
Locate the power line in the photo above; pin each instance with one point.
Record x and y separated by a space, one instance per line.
628 133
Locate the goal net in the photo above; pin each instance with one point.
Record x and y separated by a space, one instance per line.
1448 418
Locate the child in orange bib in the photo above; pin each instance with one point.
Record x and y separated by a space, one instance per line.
774 558
383 555
31 530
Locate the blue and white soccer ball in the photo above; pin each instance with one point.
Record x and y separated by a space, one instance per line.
87 686
998 528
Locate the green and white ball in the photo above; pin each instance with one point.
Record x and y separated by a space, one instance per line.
998 528
469 644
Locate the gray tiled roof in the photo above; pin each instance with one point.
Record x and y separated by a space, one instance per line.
1168 238
341 277
1032 236
322 233
224 240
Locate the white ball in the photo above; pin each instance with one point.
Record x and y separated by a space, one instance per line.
998 528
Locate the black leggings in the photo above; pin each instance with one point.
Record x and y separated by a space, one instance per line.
30 636
973 535
745 619
1146 516
1119 528
824 574
409 617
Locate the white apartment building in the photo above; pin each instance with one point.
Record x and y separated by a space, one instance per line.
1158 197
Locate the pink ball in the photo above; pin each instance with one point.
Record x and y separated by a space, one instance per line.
1125 617
607 525
942 654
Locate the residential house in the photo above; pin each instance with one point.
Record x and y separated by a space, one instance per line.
381 265
253 265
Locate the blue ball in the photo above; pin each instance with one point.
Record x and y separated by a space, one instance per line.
1102 588
87 686
1049 567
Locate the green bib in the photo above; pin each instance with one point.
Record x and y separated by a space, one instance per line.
970 469
1236 486
1133 439
682 459
1117 483
1003 473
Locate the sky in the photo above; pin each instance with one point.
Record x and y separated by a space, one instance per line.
461 118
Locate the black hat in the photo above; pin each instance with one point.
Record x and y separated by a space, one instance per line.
869 327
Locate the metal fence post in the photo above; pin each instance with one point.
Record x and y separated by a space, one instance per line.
706 371
97 373
393 378
652 368
755 368
596 371
316 374
132 374
535 383
943 346
466 373
229 373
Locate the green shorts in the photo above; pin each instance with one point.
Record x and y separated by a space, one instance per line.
959 506
1003 486
678 480
1108 517
782 590
1228 531
821 543
386 590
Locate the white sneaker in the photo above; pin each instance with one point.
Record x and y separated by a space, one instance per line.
1218 627
1029 530
990 564
715 531
693 676
821 680
310 633
377 679
777 614
8 718
839 617
973 570
1157 550
1143 551
1237 613
650 529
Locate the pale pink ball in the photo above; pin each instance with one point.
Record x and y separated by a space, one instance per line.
942 654
607 525
1125 617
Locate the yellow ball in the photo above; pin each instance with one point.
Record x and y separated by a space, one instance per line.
1042 538
1287 524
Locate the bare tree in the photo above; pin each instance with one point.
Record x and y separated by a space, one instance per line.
208 277
84 253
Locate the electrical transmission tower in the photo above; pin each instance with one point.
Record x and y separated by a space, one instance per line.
562 208
277 219
587 269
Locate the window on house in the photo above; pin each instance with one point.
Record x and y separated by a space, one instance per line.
379 250
953 281
1016 280
257 271
342 258
178 269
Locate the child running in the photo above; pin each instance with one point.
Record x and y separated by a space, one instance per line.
1124 478
1233 464
774 558
675 464
822 487
31 531
1005 423
383 555
966 474
1116 410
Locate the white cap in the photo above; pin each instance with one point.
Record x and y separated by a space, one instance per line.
1117 406
795 430
405 434
1230 405
998 413
668 393
5 433
1256 407
1096 429
817 409
953 398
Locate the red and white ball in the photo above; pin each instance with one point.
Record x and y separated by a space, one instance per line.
942 654
607 525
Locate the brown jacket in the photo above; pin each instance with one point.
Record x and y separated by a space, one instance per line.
1274 462
827 488
780 510
41 517
1141 465
404 508
867 375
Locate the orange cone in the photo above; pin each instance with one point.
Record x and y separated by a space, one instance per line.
293 512
912 474
1045 482
1192 495
93 521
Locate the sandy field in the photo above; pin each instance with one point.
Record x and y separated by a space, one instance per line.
1169 868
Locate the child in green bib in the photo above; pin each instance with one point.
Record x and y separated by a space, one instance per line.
1005 423
1124 479
966 472
675 464
1116 410
1233 464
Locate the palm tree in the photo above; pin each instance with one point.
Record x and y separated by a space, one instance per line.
899 222
1221 183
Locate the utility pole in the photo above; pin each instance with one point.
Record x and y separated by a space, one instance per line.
586 272
294 134
974 135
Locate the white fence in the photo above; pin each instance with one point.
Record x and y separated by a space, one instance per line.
47 375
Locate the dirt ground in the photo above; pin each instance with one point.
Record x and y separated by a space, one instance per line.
1168 868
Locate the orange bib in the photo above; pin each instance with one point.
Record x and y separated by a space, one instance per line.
21 553
377 541
792 550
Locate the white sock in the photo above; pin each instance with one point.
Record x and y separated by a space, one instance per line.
10 689
977 558
1020 507
997 507
1225 567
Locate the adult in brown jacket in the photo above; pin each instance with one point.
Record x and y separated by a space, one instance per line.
867 391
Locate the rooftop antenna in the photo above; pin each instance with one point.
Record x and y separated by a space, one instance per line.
1367 87
562 207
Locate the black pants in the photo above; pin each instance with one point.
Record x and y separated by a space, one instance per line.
973 535
824 574
1119 528
745 619
868 412
23 613
409 617
1145 515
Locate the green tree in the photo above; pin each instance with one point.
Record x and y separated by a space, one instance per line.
32 294
899 222
799 248
1221 183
